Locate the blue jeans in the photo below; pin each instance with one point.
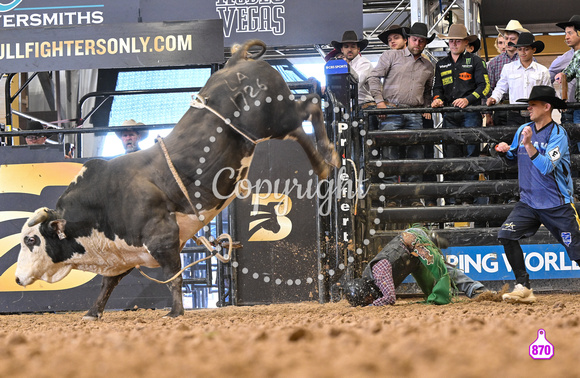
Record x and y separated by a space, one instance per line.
400 122
463 282
456 121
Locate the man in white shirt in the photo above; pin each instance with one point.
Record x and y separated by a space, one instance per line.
351 47
519 77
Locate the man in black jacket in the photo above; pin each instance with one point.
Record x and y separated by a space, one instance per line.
460 80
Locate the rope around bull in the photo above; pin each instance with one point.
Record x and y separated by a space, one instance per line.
198 240
207 244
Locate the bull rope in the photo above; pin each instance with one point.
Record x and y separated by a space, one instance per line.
198 240
199 102
207 244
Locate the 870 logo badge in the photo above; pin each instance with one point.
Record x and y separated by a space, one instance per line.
541 349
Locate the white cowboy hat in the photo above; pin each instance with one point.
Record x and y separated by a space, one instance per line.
512 26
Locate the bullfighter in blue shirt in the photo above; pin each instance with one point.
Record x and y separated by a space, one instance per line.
541 150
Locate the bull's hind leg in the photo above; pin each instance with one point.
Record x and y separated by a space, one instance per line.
107 286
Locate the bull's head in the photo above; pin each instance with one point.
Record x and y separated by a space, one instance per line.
38 236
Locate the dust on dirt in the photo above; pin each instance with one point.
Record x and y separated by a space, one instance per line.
410 339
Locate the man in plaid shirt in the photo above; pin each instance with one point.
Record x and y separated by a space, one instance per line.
399 258
572 29
511 34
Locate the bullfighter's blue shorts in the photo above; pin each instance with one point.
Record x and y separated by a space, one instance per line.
561 221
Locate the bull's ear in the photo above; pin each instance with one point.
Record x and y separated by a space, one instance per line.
58 227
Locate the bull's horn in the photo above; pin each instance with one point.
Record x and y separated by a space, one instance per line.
39 216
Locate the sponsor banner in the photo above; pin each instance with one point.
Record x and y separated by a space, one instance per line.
112 46
34 177
489 263
278 228
42 13
336 67
276 22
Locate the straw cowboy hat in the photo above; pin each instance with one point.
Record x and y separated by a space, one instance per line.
458 31
528 39
419 29
350 36
131 122
547 94
512 26
574 21
393 29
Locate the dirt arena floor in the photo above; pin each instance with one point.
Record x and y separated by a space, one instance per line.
463 339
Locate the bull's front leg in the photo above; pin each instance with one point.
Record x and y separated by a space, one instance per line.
107 286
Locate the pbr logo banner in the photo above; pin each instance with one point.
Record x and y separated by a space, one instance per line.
277 225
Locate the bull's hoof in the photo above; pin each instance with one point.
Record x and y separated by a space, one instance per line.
174 314
88 318
92 318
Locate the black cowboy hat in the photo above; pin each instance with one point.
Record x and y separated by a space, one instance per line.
419 29
547 94
528 39
574 21
350 36
35 125
476 45
393 29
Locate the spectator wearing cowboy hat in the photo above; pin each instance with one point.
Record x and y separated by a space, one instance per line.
510 34
460 80
499 44
131 138
351 47
474 46
394 37
519 77
404 78
541 151
572 71
35 139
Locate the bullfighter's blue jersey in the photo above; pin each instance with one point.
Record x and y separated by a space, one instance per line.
545 179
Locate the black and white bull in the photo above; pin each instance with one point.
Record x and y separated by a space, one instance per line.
130 210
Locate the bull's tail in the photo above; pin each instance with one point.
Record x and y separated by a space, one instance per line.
241 52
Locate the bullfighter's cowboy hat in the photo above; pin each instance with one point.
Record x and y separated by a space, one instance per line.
131 122
512 26
574 21
458 31
350 36
547 94
393 29
528 39
419 29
